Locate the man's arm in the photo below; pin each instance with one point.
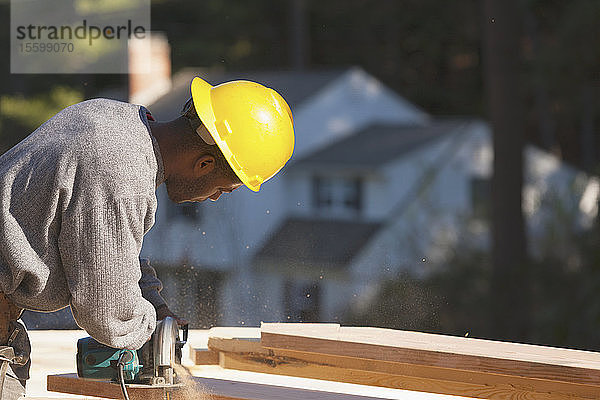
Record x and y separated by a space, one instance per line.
151 287
99 251
150 284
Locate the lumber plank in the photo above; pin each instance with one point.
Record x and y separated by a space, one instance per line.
458 353
485 387
210 388
200 353
204 356
236 345
201 388
72 384
318 388
228 389
233 332
248 355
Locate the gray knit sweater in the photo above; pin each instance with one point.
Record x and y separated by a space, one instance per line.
76 198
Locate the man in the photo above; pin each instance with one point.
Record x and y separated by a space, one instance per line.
78 195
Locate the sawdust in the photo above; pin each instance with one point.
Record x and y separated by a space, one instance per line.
192 389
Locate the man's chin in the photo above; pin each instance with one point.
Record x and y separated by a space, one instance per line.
176 198
180 200
180 196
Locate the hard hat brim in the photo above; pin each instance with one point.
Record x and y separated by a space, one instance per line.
203 104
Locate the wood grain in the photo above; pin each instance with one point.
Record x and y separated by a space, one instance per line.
247 355
204 388
204 356
72 384
229 389
236 345
421 349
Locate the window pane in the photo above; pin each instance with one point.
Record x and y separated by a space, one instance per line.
337 194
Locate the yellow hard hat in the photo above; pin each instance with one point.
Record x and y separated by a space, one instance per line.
251 124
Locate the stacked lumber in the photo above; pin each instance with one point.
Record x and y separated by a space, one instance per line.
326 361
408 360
209 381
220 386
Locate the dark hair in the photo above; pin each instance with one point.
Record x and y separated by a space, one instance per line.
189 112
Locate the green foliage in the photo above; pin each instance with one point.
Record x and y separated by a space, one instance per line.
31 112
19 115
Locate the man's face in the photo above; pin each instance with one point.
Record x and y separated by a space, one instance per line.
181 188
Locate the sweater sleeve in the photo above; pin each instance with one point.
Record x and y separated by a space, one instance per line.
150 284
100 254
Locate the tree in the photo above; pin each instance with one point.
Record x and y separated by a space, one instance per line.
502 69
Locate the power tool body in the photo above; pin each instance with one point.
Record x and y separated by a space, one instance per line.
153 364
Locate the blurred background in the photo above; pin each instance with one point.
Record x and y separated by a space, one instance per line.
444 177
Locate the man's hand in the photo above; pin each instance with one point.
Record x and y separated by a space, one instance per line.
163 311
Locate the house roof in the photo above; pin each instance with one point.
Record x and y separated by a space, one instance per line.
294 86
316 243
377 145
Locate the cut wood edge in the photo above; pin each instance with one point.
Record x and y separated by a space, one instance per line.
237 345
204 356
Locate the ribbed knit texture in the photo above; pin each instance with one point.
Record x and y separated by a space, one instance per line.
76 198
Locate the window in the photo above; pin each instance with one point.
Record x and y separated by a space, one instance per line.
337 195
481 191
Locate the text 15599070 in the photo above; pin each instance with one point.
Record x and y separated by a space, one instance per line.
35 47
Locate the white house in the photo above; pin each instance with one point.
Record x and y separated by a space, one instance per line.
376 186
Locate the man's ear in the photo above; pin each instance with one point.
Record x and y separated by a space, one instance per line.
204 165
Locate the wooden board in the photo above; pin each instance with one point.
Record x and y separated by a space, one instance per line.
200 353
202 388
222 389
72 384
316 388
429 350
236 345
404 376
234 332
204 356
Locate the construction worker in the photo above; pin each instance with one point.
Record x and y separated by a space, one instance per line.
78 195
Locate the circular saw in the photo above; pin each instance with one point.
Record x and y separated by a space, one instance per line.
153 364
